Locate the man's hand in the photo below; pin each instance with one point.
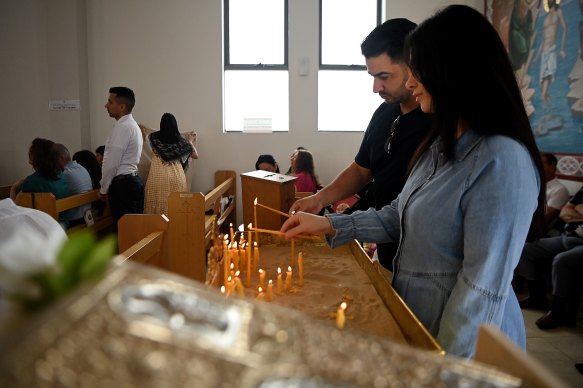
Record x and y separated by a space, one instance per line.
309 204
103 197
306 223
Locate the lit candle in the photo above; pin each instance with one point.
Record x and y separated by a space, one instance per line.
340 316
269 295
229 286
260 295
279 282
255 219
238 285
232 269
288 279
255 253
301 268
261 278
231 233
223 290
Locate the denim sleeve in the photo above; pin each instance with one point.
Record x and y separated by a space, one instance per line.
498 204
372 225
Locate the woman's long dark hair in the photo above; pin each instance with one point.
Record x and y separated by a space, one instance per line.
305 163
88 160
168 133
459 58
44 158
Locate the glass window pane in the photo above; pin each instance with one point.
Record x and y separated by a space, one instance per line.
256 32
345 24
353 111
249 100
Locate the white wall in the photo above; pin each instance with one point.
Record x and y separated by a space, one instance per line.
170 53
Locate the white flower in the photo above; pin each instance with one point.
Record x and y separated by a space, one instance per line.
25 253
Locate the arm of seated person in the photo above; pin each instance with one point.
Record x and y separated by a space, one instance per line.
569 213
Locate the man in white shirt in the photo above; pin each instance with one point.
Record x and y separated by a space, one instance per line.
120 184
557 194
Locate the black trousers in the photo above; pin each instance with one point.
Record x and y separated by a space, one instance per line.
126 196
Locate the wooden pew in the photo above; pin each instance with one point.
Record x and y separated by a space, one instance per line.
143 238
47 203
190 228
4 192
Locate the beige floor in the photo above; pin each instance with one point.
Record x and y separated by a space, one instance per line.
557 349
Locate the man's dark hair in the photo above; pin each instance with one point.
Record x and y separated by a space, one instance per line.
266 158
44 158
100 150
388 38
551 159
125 96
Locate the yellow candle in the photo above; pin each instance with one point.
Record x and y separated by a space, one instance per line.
238 285
273 210
288 279
261 278
269 295
255 219
231 233
293 259
226 264
249 233
279 281
229 286
255 254
260 295
232 270
301 268
340 316
248 278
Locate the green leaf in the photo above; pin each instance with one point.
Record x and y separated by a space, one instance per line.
99 258
74 252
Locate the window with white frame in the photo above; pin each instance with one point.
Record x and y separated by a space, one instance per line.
256 76
345 98
256 65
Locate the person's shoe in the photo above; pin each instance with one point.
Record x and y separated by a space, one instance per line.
553 320
534 303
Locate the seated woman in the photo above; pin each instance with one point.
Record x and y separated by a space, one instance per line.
88 160
267 163
171 153
47 177
302 167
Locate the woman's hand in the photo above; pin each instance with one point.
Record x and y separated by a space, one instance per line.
306 223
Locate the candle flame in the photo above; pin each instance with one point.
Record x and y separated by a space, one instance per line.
231 224
222 289
260 289
241 228
279 270
255 202
232 265
255 244
249 226
343 305
226 237
229 279
261 271
289 269
270 281
237 274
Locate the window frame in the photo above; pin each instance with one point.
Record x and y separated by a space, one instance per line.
259 66
350 67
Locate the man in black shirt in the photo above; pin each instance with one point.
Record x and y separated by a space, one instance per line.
395 130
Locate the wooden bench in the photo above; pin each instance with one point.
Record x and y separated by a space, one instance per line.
143 238
4 192
186 231
47 203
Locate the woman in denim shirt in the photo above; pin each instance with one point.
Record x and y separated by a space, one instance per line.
472 194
